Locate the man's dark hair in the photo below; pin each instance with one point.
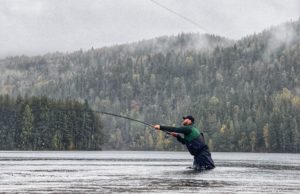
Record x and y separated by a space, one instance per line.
190 117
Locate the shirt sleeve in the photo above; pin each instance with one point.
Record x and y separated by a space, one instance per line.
180 139
184 130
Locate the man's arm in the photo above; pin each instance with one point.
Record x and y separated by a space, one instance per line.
180 139
184 130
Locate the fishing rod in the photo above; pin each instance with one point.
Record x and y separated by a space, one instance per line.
131 119
124 117
120 116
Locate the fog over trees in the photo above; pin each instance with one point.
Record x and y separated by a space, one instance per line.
244 94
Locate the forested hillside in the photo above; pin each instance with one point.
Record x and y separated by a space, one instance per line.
44 124
244 94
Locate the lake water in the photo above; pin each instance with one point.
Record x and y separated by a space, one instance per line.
146 172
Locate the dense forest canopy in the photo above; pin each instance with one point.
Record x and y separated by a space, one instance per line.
244 94
33 123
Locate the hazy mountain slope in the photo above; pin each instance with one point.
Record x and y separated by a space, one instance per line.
245 94
22 73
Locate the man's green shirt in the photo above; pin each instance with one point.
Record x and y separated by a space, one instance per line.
189 131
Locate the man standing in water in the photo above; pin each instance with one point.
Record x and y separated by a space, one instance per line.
194 141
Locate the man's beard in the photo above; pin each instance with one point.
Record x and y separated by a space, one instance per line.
185 124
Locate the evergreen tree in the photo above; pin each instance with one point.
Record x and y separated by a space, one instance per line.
27 129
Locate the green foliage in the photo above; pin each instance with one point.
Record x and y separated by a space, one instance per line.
27 129
43 124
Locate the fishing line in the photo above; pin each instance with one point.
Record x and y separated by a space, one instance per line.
179 15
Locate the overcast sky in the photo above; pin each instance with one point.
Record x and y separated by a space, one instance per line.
34 27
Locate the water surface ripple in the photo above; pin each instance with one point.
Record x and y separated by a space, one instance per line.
146 172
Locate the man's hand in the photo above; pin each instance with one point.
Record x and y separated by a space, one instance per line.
157 127
174 134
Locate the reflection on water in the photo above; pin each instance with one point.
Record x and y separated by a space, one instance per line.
146 172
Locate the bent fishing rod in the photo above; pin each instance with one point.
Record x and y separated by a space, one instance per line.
124 117
128 118
120 116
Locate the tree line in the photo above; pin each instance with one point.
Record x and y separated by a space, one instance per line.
40 123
